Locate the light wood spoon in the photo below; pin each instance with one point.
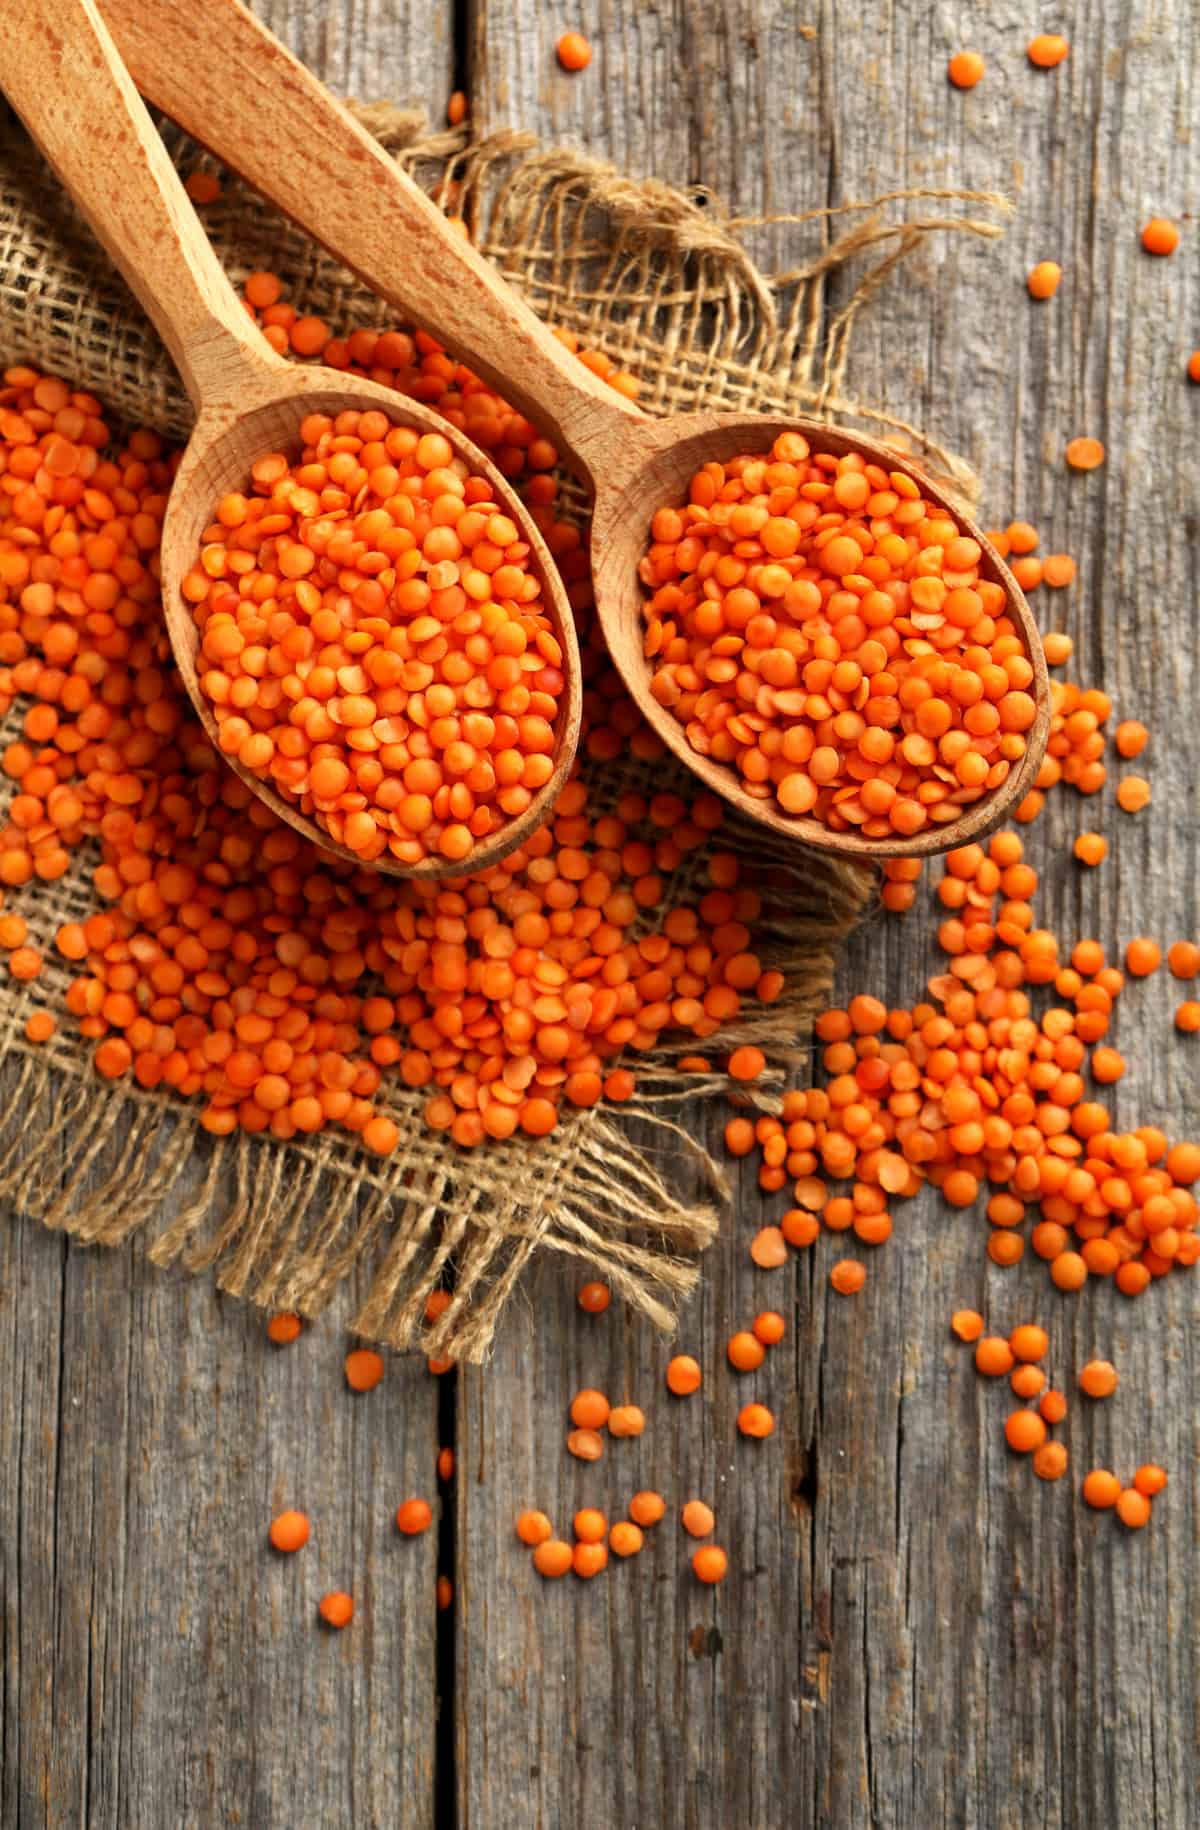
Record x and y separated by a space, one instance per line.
234 87
69 86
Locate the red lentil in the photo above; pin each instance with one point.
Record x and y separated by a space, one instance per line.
1043 281
364 1369
683 1375
647 1508
574 51
1133 1508
1101 1489
1047 50
413 1517
710 1563
336 1609
289 1531
965 69
1160 236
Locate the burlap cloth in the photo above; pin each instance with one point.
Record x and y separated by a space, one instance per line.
663 284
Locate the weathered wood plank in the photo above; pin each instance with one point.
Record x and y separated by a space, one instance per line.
160 1664
914 1631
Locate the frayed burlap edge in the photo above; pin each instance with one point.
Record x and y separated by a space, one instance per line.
663 284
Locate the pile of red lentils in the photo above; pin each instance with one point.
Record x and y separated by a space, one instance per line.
230 961
813 622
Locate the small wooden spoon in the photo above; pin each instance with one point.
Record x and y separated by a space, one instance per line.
69 86
234 87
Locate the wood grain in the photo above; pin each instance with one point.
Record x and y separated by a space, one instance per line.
915 1631
159 1666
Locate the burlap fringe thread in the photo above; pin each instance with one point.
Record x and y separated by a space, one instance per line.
664 285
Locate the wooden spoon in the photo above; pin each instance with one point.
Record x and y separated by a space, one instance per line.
234 87
69 86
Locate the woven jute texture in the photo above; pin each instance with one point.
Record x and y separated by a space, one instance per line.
662 283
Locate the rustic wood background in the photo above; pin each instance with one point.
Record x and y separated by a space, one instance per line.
915 1632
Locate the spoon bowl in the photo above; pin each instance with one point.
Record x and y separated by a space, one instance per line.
218 460
300 148
79 103
670 453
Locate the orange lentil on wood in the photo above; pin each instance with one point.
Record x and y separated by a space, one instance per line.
587 1560
625 1539
552 1558
1047 50
594 1298
1133 1508
1057 648
683 1375
755 1420
1101 1489
697 1519
818 627
965 69
768 1248
710 1564
413 1517
336 1609
590 1525
1024 1431
1051 1460
1160 236
770 1327
1099 1379
1142 957
967 1324
1150 1479
1027 1381
1091 848
1029 1342
1084 453
994 1357
745 1351
589 1409
289 1531
1187 1017
534 1528
647 1508
444 1593
1043 280
573 51
284 1328
626 1420
585 1445
364 1369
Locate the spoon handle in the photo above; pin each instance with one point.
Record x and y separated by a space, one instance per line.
69 86
233 86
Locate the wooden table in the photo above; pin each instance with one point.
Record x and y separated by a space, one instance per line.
915 1632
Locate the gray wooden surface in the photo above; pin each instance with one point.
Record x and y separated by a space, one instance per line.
914 1632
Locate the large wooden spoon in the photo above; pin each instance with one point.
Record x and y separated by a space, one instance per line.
67 82
234 87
